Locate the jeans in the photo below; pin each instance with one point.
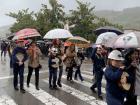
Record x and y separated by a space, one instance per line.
18 70
30 71
78 72
3 51
60 74
98 80
70 73
52 75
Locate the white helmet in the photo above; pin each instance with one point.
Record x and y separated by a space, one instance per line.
116 55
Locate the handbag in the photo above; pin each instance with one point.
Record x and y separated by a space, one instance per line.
40 66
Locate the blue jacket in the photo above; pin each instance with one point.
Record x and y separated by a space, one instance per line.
114 93
99 61
19 50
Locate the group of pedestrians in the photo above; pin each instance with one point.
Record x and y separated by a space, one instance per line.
19 56
121 70
120 67
59 56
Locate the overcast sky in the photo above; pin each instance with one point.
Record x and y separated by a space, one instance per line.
7 6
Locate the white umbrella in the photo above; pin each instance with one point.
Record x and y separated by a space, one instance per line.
104 37
130 40
58 33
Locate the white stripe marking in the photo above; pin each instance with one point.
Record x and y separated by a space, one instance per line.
11 76
91 77
88 72
43 96
85 83
79 94
6 100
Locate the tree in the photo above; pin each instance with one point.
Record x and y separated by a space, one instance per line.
82 18
86 21
56 14
24 19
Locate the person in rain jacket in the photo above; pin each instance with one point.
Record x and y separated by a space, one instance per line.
98 64
114 70
19 56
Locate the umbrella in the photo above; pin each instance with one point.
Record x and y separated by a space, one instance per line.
10 37
107 29
58 33
26 33
78 40
130 40
104 37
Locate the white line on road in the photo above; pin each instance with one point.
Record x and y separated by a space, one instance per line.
43 96
81 95
11 76
6 100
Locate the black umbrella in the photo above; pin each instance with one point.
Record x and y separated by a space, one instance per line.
10 37
101 30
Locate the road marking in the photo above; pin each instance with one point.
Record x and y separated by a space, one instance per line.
43 96
88 72
6 100
91 77
81 95
11 76
85 83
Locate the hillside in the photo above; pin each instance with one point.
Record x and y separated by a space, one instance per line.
129 18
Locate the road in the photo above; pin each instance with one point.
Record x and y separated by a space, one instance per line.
71 93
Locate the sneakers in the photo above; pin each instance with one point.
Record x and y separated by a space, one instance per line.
93 90
22 90
37 88
16 88
55 87
100 97
59 84
28 85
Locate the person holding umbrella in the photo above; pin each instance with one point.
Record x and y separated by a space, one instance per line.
53 64
56 43
98 64
19 56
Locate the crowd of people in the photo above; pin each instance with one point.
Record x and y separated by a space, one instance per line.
120 67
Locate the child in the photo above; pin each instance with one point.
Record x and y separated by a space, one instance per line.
78 59
53 66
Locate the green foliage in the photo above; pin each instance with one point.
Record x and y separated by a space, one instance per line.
24 19
83 19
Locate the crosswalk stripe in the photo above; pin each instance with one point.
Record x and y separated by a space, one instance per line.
81 95
85 83
43 96
88 84
87 72
91 77
6 100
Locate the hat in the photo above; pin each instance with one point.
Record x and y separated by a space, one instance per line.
116 55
